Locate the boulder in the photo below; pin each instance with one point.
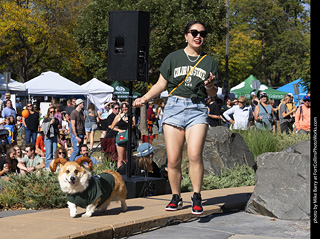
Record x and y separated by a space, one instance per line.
282 186
223 149
302 147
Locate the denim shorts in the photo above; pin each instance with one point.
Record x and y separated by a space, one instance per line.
184 113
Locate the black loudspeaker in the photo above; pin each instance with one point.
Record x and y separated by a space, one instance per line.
143 187
128 45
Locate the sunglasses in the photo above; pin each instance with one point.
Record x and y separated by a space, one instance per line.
62 153
195 33
51 111
116 108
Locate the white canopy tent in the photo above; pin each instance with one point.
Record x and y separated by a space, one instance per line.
51 83
99 92
12 85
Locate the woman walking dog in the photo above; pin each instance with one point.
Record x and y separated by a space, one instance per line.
190 76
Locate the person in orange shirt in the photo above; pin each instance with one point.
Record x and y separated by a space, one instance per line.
303 116
40 148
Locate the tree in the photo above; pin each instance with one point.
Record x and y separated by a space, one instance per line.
283 27
37 35
168 19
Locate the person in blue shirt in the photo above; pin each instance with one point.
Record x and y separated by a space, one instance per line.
83 149
9 110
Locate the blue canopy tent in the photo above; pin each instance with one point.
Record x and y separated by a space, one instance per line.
289 88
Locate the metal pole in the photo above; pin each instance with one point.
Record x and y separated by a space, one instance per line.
226 80
129 147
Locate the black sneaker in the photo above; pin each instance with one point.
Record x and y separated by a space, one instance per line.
196 204
175 204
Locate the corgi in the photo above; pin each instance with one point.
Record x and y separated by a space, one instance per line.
89 191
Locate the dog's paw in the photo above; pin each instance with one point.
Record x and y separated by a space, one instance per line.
73 215
86 215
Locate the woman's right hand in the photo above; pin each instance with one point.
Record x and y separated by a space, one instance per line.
139 102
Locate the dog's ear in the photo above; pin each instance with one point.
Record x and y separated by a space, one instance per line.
56 162
83 159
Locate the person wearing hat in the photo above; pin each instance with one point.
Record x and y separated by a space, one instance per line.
143 165
263 114
78 133
303 116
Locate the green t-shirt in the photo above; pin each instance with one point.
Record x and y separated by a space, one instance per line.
99 185
31 162
175 68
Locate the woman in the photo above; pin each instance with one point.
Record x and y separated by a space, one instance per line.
144 164
31 124
263 114
51 132
90 124
160 115
284 115
19 154
185 114
241 114
10 165
60 153
121 124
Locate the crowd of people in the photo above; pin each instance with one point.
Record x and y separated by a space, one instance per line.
66 133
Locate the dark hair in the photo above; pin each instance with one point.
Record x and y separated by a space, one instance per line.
82 146
114 104
31 146
190 24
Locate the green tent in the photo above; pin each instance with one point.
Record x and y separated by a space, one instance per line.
122 92
245 88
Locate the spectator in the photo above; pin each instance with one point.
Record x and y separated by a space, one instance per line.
241 114
60 153
30 162
50 128
90 125
254 100
214 113
15 129
71 106
144 165
10 128
291 106
160 115
8 110
223 109
109 142
18 106
263 113
103 114
40 147
84 151
10 165
18 150
284 115
77 128
150 117
303 116
121 121
58 115
31 124
1 104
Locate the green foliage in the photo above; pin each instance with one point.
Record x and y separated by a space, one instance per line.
168 19
238 176
32 191
260 142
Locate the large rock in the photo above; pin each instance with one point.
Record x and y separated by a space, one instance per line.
223 149
282 186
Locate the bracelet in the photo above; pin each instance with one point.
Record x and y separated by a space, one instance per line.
208 88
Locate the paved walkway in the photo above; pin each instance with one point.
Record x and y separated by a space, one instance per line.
143 214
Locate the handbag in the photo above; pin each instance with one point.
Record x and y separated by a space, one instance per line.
270 118
187 75
122 138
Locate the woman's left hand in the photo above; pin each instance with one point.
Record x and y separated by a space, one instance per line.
210 81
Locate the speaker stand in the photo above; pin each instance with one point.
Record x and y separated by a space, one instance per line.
129 144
